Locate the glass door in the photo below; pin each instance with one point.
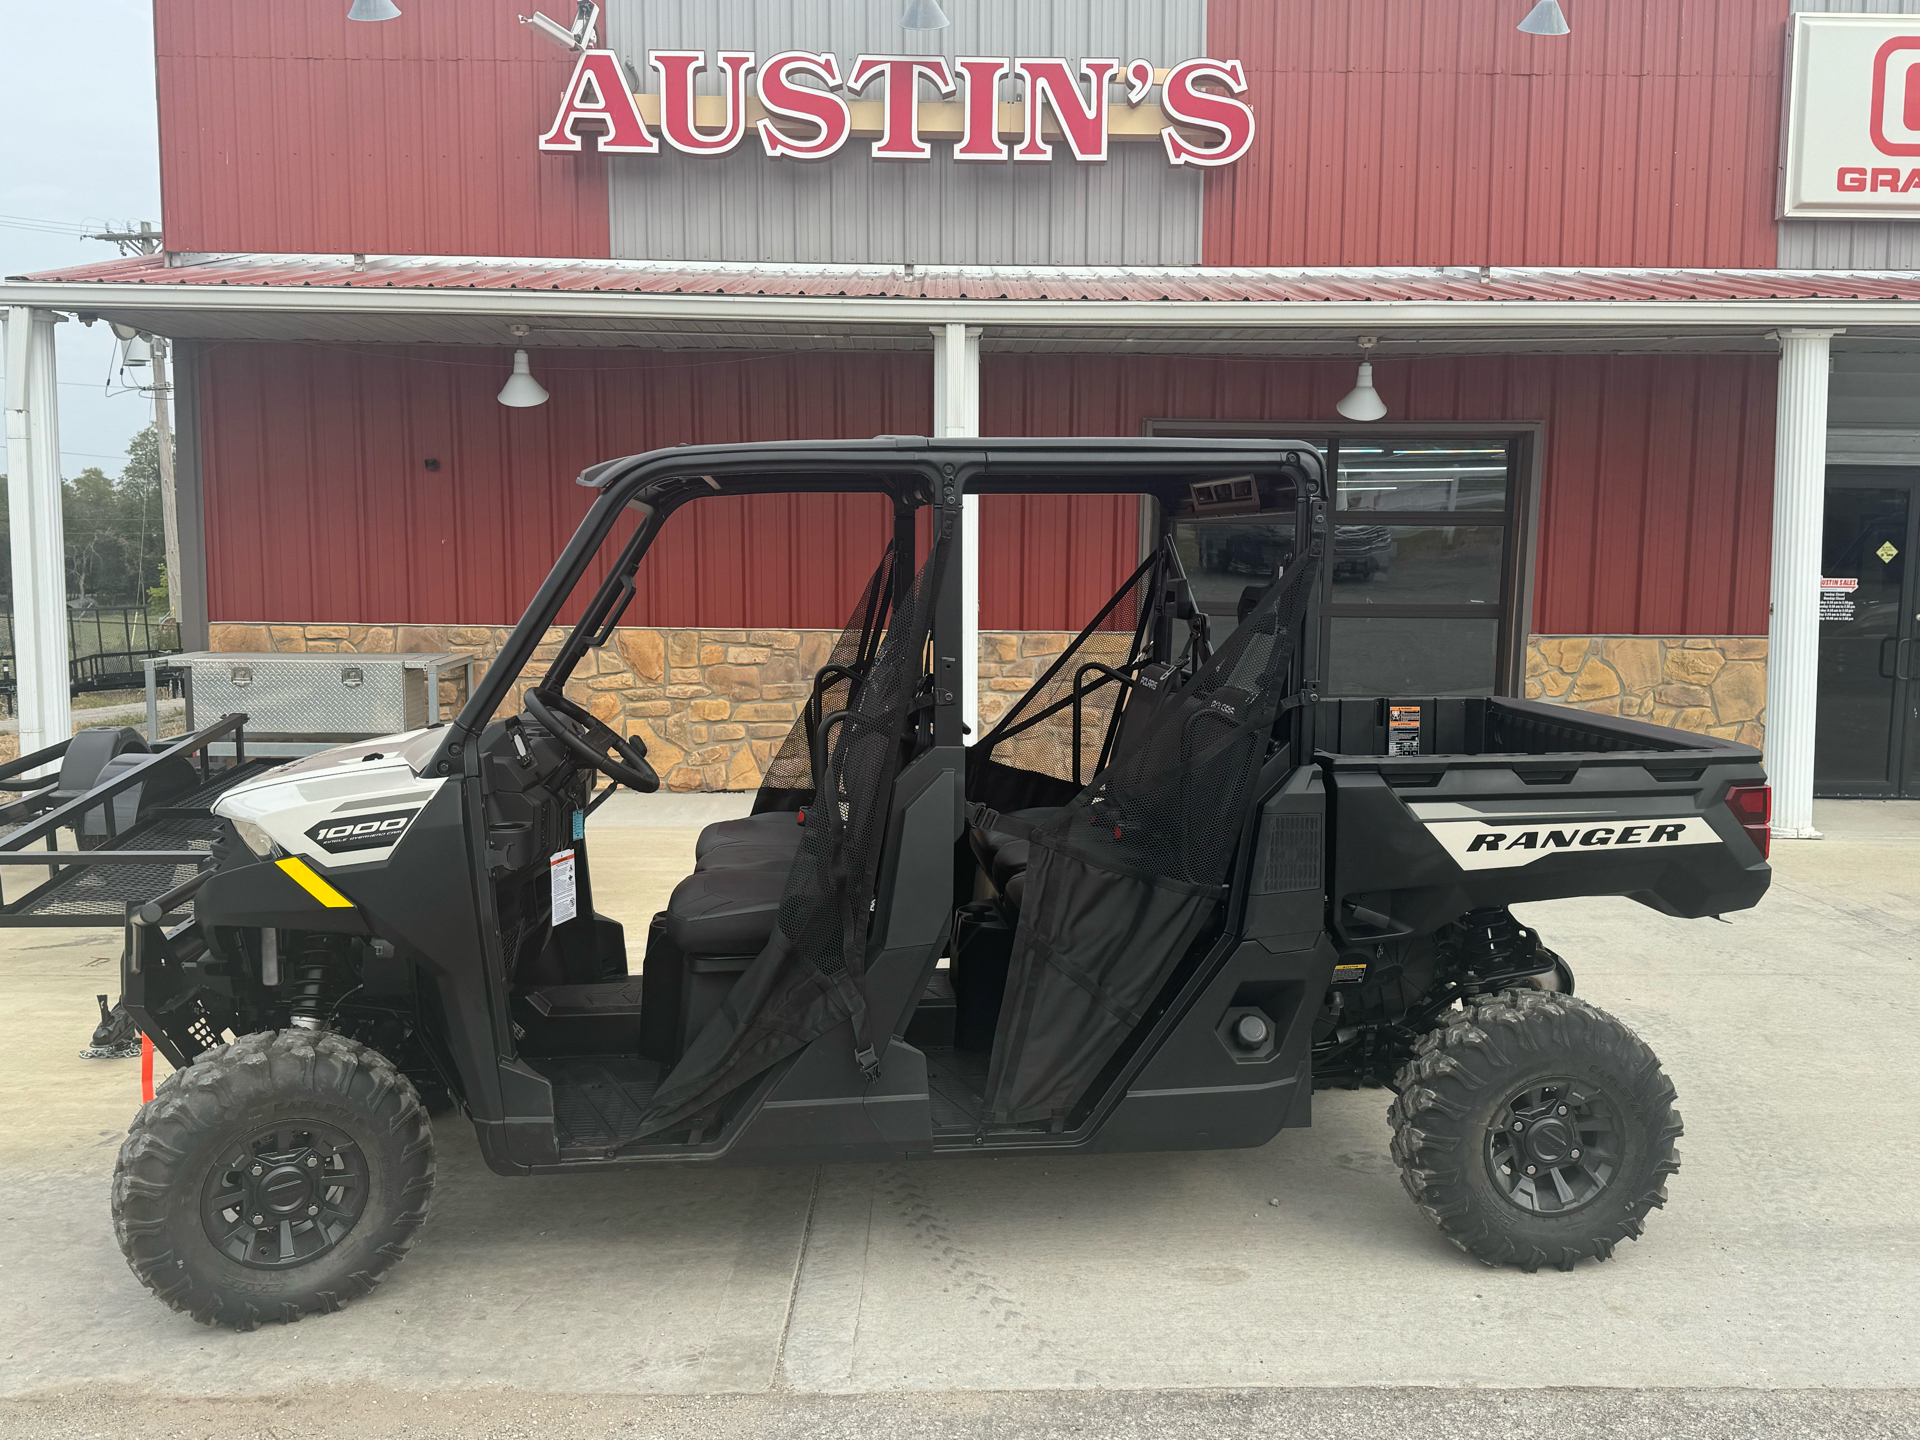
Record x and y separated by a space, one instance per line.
1865 740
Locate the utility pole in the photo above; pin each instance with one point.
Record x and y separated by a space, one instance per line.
163 438
144 241
147 241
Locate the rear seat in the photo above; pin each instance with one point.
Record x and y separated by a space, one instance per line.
1004 847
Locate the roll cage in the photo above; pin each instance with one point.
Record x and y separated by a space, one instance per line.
913 473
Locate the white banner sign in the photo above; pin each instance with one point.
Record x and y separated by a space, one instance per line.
1852 142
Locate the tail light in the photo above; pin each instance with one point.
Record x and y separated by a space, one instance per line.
1751 806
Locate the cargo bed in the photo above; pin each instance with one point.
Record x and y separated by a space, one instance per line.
1438 806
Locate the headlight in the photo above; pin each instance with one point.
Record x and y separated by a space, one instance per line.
258 841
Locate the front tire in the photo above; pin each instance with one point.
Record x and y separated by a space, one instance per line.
1535 1129
281 1174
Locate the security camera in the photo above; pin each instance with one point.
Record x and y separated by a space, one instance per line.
584 34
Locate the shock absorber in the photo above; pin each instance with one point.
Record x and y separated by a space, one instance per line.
1489 938
320 979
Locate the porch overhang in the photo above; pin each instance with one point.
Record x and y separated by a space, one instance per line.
612 304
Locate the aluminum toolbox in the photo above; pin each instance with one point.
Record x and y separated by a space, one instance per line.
298 703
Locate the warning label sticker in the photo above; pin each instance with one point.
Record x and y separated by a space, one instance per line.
561 868
1403 730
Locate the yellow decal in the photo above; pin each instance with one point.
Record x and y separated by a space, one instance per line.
309 881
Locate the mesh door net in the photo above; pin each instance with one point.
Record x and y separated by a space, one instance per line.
1124 879
789 782
811 975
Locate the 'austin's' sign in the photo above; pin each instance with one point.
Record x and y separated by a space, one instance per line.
793 103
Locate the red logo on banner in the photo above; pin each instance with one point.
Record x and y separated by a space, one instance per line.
1897 97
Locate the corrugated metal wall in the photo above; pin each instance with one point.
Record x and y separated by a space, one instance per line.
320 506
287 127
1136 209
1657 472
1849 245
1437 134
1390 133
1655 503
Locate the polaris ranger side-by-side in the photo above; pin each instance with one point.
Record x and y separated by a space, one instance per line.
1169 893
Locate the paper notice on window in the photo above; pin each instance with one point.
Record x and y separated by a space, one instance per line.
1837 596
561 868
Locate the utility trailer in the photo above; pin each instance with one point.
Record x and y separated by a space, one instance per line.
1172 890
138 822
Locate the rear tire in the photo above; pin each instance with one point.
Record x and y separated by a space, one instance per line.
1535 1129
281 1174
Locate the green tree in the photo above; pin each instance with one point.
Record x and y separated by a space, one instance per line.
114 548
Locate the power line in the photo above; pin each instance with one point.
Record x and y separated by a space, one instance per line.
74 228
87 385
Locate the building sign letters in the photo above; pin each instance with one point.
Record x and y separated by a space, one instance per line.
1852 143
804 105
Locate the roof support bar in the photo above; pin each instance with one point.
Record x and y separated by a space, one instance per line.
39 535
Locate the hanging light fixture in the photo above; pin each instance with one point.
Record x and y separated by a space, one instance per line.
1363 402
924 15
374 10
136 352
1544 19
521 389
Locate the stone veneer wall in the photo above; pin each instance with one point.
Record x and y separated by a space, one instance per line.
1717 685
714 705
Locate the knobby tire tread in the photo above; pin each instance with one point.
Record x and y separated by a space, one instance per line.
1480 1050
204 1097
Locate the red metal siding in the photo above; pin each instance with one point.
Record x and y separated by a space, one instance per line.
320 507
1657 472
1655 506
1394 133
287 127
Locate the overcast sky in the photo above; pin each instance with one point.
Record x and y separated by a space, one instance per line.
78 149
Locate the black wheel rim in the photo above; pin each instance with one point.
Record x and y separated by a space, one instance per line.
282 1197
1554 1146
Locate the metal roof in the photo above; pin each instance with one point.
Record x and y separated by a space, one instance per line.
592 304
1387 285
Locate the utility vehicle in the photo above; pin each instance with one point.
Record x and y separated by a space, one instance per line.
1169 893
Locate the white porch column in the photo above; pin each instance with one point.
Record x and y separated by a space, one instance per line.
957 412
39 536
1794 614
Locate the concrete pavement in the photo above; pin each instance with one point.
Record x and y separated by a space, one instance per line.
1776 1294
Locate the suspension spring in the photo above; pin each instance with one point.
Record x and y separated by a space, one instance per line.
320 979
1490 937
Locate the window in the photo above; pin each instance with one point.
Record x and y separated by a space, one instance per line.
1422 586
1418 600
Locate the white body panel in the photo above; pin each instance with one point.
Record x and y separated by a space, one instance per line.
347 806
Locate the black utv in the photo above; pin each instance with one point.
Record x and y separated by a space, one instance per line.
1173 890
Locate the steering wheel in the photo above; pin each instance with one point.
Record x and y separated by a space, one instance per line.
600 743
